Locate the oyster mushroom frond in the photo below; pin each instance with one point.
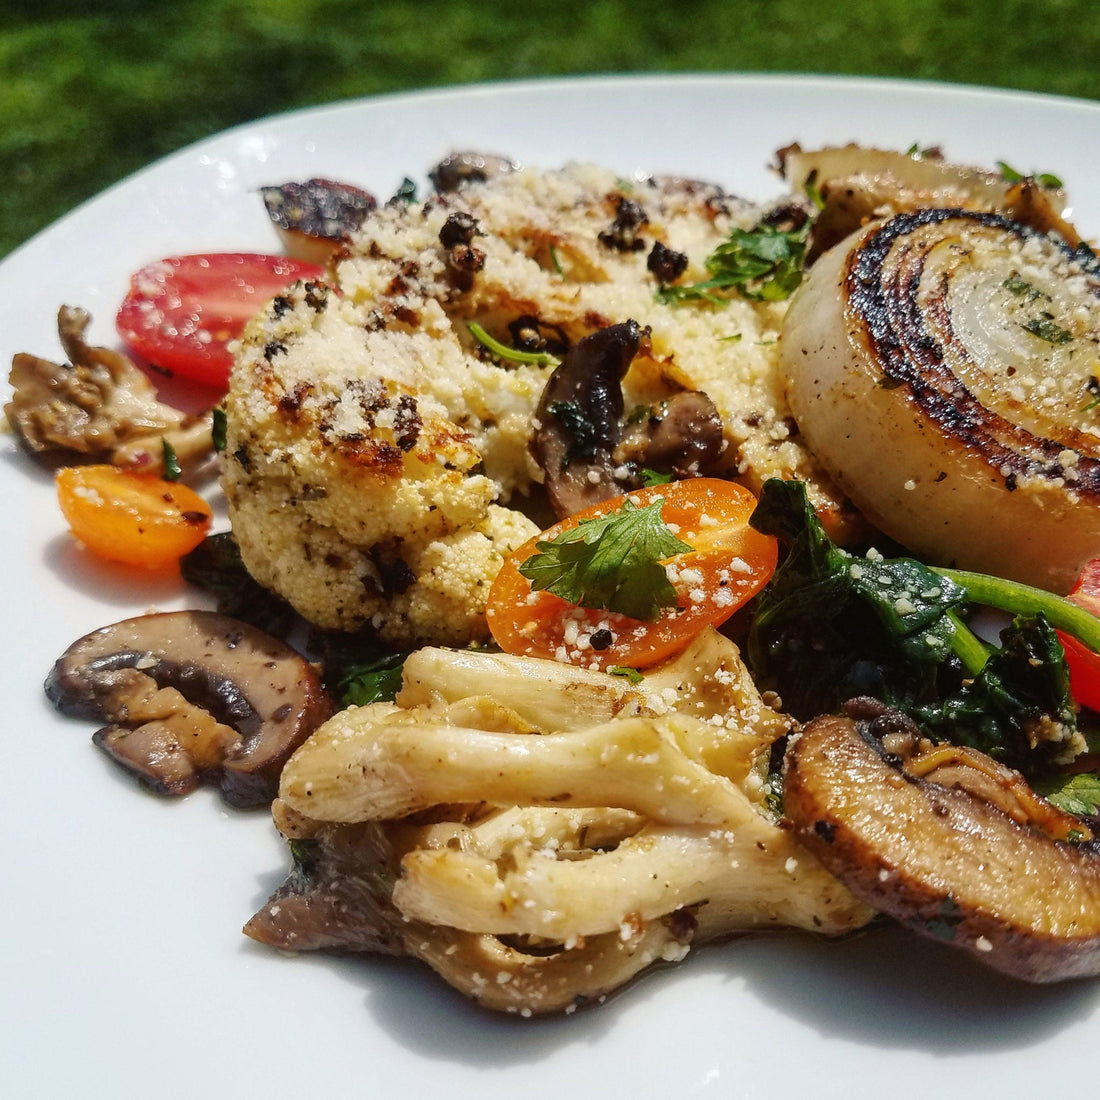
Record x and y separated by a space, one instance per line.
538 855
99 404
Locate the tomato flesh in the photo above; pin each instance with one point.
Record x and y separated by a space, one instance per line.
729 563
137 519
1083 663
181 312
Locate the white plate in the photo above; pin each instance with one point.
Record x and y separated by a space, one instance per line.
125 972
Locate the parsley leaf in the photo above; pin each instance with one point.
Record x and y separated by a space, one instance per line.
372 681
610 562
763 264
1077 794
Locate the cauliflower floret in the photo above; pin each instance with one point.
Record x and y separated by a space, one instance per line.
352 494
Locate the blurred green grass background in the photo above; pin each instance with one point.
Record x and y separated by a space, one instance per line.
90 92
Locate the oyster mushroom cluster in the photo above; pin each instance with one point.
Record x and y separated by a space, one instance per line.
540 834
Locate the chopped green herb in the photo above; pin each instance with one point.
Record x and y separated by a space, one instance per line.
1077 794
762 264
406 193
1049 330
813 192
172 470
218 426
1022 288
303 853
773 793
653 477
1092 386
580 429
372 682
1012 175
610 563
538 358
630 674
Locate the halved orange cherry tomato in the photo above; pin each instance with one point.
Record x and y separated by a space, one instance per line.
138 519
1083 663
729 564
180 312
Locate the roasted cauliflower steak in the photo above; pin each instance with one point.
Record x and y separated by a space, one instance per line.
378 464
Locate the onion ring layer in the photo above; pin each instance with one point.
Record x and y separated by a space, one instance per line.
943 366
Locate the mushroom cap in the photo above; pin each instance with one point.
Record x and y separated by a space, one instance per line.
981 863
191 693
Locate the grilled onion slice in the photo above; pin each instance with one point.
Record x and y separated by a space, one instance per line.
943 367
856 184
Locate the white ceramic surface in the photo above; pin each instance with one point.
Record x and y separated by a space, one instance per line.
125 973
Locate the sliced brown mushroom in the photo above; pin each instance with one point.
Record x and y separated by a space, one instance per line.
190 694
458 169
587 451
579 419
682 436
948 842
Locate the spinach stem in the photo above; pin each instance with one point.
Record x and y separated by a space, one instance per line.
1023 599
968 647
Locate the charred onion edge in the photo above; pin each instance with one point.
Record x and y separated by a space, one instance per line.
892 320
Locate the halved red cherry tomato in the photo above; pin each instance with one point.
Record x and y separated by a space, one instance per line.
729 564
137 519
1083 663
180 312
